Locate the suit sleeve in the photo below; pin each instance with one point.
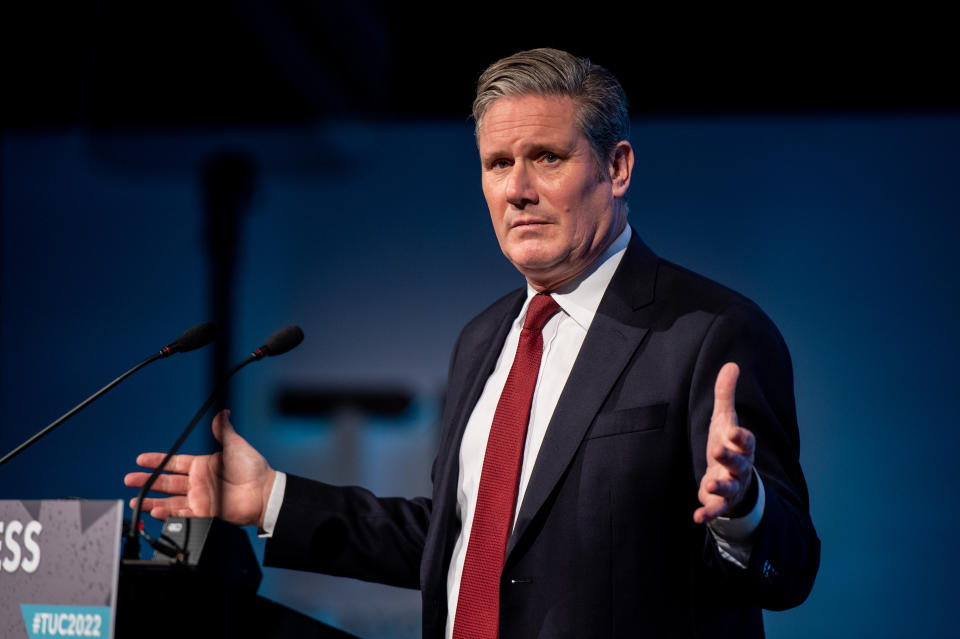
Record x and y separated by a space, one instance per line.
786 551
349 532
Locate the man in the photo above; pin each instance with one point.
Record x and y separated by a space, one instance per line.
592 478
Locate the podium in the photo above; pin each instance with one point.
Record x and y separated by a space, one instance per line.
206 589
62 576
158 599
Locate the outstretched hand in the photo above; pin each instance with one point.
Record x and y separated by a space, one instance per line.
233 484
730 450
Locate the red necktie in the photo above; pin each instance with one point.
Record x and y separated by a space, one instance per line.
478 605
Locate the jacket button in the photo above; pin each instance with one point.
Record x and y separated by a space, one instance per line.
769 572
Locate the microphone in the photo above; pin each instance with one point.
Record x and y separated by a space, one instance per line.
191 339
284 340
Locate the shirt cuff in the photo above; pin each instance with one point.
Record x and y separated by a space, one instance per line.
273 505
733 536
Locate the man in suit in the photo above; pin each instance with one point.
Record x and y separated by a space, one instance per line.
593 479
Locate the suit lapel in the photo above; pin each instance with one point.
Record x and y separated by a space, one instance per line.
480 356
483 351
613 338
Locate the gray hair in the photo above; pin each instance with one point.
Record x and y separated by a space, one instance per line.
601 104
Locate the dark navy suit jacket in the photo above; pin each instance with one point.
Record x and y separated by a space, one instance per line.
604 544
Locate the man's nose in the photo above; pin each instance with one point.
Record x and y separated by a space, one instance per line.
520 187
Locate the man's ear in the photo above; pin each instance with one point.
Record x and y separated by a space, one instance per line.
621 167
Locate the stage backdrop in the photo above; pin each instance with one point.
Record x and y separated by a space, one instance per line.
373 236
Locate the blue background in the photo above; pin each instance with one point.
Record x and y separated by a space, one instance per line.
374 237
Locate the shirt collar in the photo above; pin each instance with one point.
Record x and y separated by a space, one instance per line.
580 297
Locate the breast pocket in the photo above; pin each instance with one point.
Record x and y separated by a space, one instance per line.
629 420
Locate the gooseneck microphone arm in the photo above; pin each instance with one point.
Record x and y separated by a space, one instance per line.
278 344
191 339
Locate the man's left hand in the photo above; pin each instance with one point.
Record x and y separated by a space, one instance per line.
730 450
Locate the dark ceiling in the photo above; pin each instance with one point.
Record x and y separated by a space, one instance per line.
257 62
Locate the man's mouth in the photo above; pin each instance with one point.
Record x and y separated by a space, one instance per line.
528 222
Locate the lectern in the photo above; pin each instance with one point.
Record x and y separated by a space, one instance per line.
61 576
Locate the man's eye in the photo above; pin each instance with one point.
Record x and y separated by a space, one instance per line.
500 164
550 158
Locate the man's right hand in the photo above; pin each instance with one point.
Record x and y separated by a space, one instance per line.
234 484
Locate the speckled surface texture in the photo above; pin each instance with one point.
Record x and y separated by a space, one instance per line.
79 557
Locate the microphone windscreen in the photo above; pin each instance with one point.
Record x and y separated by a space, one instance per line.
194 338
282 341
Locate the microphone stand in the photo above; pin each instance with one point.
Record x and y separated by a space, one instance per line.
189 340
76 409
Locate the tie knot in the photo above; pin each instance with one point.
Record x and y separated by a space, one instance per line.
542 307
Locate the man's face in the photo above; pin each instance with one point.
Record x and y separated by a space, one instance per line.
553 212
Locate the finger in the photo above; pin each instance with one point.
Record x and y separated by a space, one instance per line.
170 484
707 493
222 426
177 463
162 512
135 480
725 488
742 440
712 504
174 507
169 504
736 463
725 389
225 433
712 508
